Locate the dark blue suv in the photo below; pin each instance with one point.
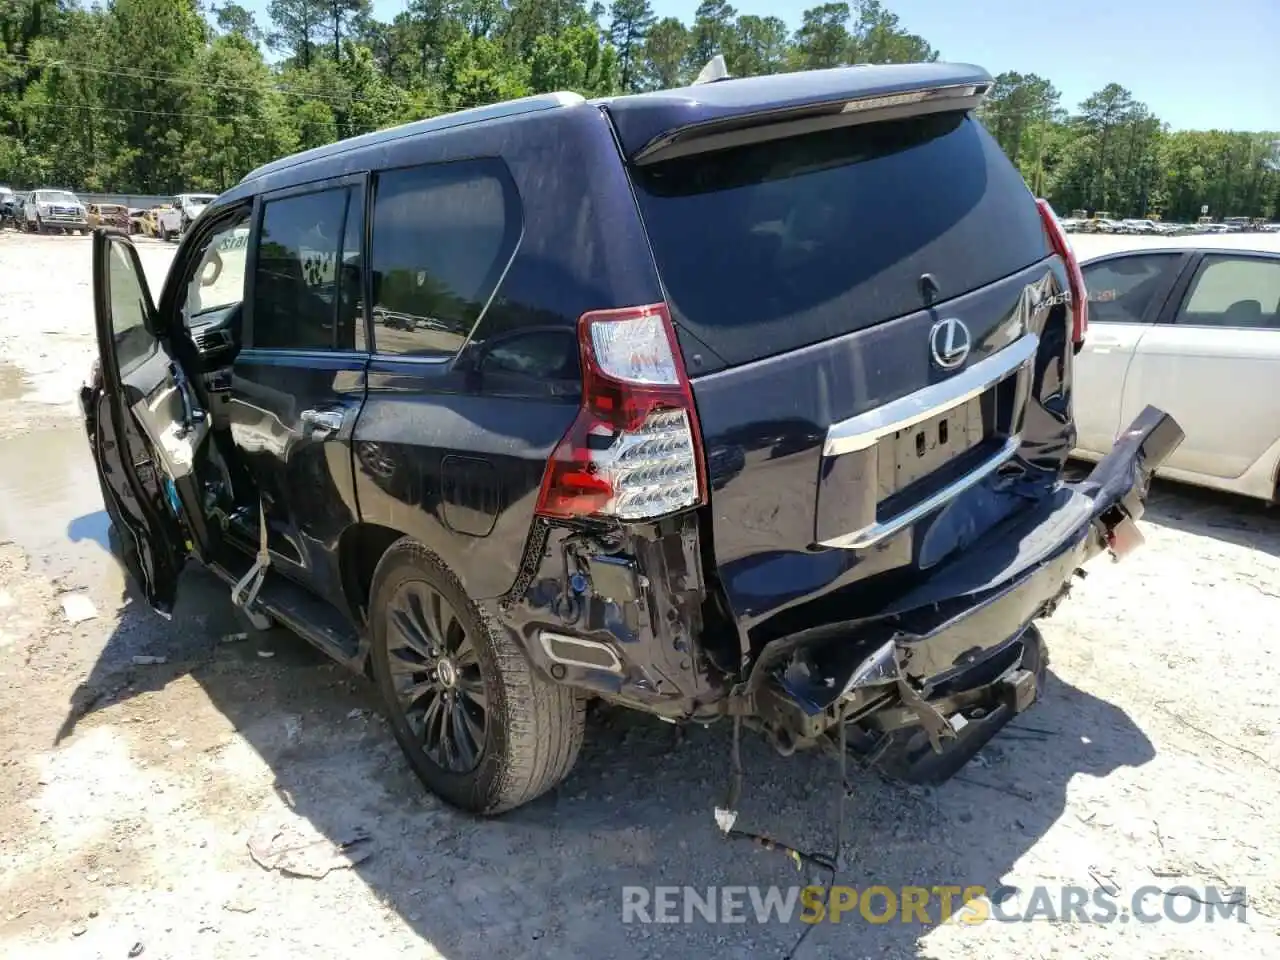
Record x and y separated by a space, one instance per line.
749 400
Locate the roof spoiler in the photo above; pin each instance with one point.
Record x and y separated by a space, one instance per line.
812 117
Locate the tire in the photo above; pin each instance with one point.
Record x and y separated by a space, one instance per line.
40 227
532 729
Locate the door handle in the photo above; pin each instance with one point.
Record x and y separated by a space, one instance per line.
322 422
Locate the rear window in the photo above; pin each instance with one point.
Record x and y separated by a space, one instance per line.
768 247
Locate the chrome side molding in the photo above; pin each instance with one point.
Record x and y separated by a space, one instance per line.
867 429
873 534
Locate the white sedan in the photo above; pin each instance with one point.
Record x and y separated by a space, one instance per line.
1192 326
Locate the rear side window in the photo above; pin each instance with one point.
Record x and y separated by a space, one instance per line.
442 237
1121 289
307 281
1228 291
771 246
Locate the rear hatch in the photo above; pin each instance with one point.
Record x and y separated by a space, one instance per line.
870 314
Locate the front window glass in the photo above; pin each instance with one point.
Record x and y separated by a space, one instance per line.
133 343
218 279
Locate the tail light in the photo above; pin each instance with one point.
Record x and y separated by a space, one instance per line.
1062 247
634 451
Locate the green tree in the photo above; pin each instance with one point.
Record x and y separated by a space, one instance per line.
341 15
629 24
877 37
712 33
823 39
146 95
666 49
159 40
574 59
298 27
758 46
251 128
1020 110
231 17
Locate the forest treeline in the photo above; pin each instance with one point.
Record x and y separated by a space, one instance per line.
161 96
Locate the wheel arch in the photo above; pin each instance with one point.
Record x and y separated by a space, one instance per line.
360 548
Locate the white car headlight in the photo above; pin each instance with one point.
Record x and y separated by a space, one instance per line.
42 208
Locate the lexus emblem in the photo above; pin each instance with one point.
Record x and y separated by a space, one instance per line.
949 343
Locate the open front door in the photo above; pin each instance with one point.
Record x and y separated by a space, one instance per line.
146 427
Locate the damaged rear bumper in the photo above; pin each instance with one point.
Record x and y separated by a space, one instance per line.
959 641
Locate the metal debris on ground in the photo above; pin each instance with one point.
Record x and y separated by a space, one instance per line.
77 608
146 661
234 637
298 851
266 654
136 949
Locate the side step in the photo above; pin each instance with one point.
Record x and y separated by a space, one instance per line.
317 621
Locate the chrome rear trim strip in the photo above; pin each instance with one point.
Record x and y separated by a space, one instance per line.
866 429
868 536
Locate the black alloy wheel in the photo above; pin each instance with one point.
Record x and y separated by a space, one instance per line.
478 725
436 673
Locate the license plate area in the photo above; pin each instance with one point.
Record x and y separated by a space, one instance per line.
917 451
886 469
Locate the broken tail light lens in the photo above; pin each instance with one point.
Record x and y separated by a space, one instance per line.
1062 247
634 451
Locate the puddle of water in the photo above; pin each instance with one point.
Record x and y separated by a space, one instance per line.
56 387
12 384
51 505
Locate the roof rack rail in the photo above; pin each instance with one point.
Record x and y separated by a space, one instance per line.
493 111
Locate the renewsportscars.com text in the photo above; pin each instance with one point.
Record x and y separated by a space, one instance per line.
929 905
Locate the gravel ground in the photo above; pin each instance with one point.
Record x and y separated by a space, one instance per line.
130 788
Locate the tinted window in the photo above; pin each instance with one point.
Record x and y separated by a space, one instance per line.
128 312
442 235
771 246
307 282
1120 290
1234 292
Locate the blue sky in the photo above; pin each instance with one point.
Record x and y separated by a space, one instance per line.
1197 64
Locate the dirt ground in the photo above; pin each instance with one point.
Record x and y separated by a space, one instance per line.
130 789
